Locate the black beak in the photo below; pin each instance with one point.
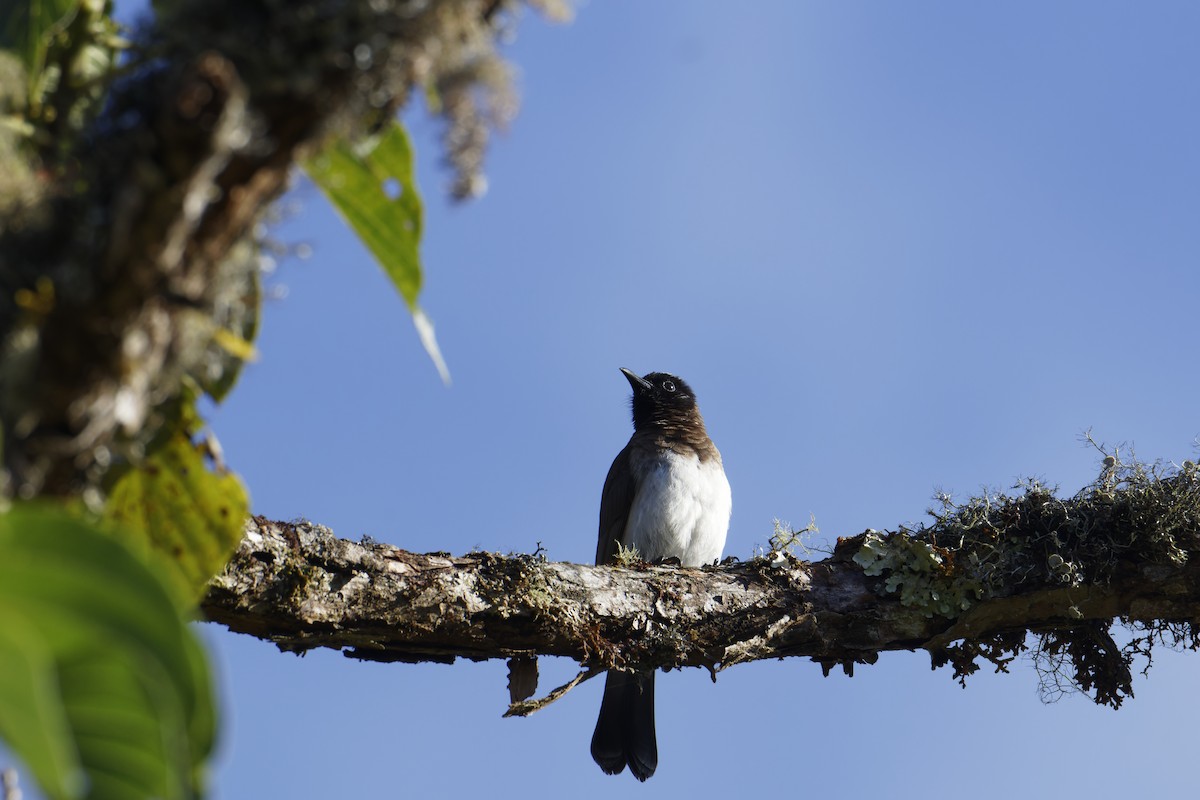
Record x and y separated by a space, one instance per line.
640 385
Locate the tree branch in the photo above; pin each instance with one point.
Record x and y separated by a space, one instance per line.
298 585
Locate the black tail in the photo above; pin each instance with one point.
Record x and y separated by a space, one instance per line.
625 729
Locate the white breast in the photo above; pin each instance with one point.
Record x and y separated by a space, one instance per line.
681 509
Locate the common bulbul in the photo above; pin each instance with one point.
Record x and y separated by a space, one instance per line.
666 495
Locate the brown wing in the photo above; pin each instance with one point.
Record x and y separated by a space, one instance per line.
615 503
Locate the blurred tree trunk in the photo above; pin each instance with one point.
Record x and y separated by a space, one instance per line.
130 236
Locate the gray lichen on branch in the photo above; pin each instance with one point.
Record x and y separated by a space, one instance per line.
970 586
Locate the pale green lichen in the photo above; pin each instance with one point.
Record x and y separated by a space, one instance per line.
918 573
786 540
627 556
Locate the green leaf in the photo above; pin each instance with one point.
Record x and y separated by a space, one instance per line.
358 181
172 504
33 719
26 27
372 185
103 688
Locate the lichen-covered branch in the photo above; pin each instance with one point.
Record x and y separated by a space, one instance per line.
301 587
969 586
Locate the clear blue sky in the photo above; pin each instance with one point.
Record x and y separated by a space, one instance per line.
895 247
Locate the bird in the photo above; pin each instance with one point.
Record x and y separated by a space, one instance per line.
666 495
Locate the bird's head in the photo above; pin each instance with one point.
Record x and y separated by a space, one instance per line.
660 397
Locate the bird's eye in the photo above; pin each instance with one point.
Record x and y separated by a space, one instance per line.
668 386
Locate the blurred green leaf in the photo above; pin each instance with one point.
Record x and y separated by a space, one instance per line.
33 719
104 691
26 27
372 186
174 505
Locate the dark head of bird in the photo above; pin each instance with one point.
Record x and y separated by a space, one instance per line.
663 400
